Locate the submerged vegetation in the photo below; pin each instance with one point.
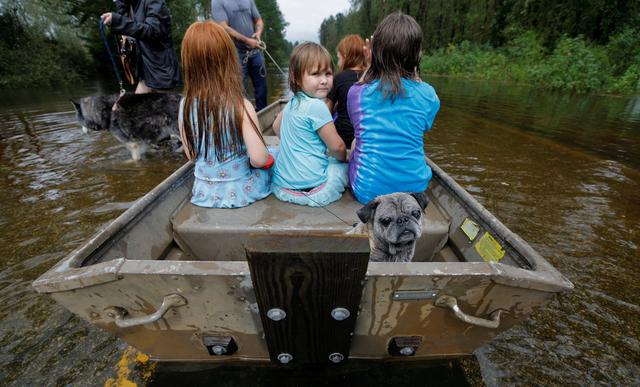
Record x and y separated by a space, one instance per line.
586 46
46 43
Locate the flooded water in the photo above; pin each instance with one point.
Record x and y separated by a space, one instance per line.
561 170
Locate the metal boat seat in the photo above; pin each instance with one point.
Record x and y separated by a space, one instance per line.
222 234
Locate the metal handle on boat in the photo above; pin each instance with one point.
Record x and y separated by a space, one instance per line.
452 303
170 301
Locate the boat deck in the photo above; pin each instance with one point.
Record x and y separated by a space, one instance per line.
222 234
180 282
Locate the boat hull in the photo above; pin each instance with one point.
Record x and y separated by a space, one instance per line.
463 290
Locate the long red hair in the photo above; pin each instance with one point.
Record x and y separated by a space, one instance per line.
213 91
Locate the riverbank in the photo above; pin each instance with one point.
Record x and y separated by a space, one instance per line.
572 64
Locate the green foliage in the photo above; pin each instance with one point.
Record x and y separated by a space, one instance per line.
623 49
629 82
40 50
335 28
44 43
524 45
585 45
575 65
466 59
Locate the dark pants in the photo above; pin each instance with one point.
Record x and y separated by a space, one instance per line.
253 67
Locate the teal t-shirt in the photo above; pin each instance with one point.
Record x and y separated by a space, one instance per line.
302 161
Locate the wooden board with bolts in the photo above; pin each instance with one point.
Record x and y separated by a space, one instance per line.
308 300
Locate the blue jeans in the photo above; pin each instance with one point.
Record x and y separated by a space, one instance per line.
253 67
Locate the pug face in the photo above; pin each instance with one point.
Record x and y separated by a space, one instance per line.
394 223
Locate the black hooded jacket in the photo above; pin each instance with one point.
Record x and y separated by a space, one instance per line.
151 27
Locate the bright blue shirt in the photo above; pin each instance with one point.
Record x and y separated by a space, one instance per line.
302 161
389 153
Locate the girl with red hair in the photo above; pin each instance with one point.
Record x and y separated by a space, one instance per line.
218 126
351 64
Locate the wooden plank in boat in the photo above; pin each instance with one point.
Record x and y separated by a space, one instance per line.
308 281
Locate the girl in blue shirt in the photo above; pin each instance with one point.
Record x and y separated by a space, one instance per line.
304 172
217 125
390 111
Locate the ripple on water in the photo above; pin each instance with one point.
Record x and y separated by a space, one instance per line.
573 161
110 207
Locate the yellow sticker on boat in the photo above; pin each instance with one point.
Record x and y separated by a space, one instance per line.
470 229
489 249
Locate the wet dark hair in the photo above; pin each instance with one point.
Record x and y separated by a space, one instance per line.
395 53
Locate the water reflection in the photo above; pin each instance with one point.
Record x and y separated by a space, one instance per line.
561 170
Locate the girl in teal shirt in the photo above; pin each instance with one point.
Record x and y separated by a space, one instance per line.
309 168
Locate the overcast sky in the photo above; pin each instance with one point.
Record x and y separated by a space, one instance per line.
305 16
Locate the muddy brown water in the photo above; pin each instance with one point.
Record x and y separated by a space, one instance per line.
561 170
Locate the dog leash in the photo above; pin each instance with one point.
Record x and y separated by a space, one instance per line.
263 46
113 62
326 209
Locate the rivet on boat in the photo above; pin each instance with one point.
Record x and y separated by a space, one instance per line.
404 345
220 345
284 358
340 314
336 357
276 314
407 351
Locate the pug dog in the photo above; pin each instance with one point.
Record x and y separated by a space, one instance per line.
394 224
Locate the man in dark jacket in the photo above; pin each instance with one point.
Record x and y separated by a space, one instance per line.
149 22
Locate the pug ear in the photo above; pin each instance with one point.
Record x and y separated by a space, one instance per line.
421 198
366 212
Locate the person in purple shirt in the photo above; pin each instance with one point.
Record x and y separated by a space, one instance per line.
390 110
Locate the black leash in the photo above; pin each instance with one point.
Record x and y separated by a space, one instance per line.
113 62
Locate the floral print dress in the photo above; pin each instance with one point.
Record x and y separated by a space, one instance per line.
231 183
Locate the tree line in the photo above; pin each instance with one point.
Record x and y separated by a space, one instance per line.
604 33
45 43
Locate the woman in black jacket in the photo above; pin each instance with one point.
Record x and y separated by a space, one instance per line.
149 22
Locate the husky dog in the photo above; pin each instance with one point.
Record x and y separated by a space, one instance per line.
394 224
139 121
